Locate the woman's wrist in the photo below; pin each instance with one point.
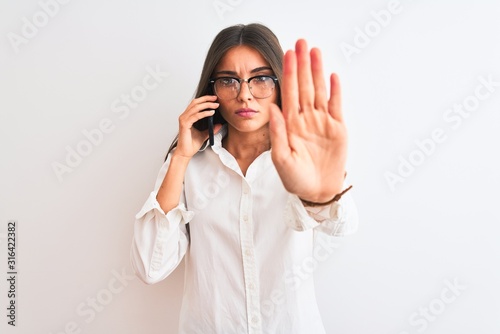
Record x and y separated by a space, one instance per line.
178 158
328 200
336 198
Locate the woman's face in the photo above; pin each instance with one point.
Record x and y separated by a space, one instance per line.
245 113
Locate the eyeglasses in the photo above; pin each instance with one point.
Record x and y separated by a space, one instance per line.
260 86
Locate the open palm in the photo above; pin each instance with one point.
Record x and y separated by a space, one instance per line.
308 136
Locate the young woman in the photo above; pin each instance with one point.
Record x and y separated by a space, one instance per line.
244 212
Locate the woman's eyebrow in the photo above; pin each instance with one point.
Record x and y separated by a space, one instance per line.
255 70
262 68
226 72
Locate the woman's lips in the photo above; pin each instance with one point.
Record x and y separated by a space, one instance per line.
246 112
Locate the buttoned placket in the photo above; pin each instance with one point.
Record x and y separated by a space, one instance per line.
250 268
250 271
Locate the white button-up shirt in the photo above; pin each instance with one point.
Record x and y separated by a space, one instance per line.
249 246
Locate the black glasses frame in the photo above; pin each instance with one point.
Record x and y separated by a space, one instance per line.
274 78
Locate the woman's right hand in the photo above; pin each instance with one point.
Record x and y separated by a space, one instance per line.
190 139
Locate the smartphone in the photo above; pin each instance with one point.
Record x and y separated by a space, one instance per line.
210 120
206 123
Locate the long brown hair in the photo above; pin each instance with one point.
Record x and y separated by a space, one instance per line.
254 35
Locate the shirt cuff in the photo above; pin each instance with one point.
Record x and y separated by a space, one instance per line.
337 219
150 204
166 226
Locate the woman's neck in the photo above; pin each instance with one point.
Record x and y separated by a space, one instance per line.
245 147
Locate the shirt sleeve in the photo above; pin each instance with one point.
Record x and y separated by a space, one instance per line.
160 239
337 219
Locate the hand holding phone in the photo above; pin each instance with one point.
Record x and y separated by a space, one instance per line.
207 123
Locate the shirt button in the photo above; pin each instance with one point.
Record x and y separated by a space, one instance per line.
245 217
251 286
255 319
248 252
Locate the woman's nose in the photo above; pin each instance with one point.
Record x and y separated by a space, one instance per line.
244 93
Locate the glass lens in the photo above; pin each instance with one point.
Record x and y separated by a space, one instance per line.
261 86
228 88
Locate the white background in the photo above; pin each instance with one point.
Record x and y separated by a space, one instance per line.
441 224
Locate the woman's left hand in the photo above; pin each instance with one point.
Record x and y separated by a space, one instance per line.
308 136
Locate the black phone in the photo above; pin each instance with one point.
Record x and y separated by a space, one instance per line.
211 130
207 123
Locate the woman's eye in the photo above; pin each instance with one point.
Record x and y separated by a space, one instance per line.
227 81
261 79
